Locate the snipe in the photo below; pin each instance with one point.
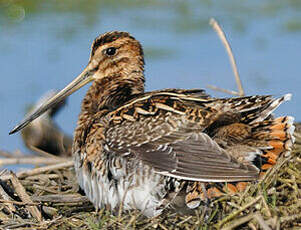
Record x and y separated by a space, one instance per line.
169 148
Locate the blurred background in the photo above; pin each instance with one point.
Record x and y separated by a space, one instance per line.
45 44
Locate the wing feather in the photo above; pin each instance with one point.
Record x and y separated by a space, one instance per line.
187 154
169 130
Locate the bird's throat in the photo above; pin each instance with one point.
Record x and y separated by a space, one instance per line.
113 91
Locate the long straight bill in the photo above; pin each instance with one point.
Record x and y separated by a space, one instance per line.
85 77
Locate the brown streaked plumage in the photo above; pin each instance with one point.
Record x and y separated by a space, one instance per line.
168 148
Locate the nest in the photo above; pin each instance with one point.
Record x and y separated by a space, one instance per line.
48 197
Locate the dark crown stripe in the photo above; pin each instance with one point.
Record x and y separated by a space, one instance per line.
108 38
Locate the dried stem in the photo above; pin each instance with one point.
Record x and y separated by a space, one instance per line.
223 90
6 197
60 198
261 222
20 190
40 170
17 202
239 222
235 213
31 160
223 38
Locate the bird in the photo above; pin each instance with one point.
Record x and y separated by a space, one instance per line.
43 134
169 149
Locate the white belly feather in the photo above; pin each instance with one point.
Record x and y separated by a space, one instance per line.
137 187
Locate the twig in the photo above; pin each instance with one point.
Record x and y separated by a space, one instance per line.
234 214
42 177
290 218
223 90
183 221
239 222
261 222
31 160
20 190
245 219
268 212
223 38
6 197
44 188
50 211
163 227
37 171
18 202
60 198
3 172
252 226
132 220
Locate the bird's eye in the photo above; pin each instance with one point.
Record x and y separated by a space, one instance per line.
110 51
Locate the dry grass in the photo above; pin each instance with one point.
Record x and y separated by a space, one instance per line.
49 198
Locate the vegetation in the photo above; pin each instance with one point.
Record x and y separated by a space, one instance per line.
49 198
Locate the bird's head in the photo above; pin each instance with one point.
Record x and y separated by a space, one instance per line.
114 56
